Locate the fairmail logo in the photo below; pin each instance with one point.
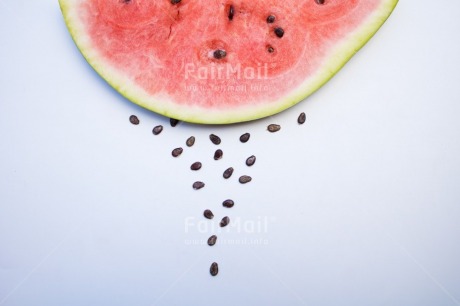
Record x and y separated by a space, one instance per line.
259 225
226 71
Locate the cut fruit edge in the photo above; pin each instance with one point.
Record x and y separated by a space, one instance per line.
337 58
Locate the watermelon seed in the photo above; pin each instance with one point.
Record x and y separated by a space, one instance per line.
157 130
173 122
245 137
126 1
245 179
251 160
228 173
190 141
219 54
271 19
175 1
319 1
134 120
231 12
270 49
214 269
208 214
212 240
279 32
218 154
177 151
228 203
214 139
225 221
198 185
301 119
195 166
272 128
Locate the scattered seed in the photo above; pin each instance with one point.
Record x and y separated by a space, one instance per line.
214 269
301 119
271 19
245 137
208 214
173 121
228 203
272 128
198 185
157 130
219 54
195 166
231 12
134 120
126 1
270 49
212 240
245 179
190 141
218 154
279 32
319 1
215 139
177 151
228 173
225 221
175 1
250 160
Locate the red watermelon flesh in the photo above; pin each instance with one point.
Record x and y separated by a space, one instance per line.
162 55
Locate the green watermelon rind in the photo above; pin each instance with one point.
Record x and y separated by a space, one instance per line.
338 57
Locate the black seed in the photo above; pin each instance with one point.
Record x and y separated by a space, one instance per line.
212 240
198 185
319 1
214 269
279 32
157 130
301 119
271 19
245 179
218 154
219 54
190 141
272 128
134 120
173 122
215 139
245 137
195 166
175 1
250 160
208 214
224 222
177 151
231 12
126 1
228 173
270 49
228 203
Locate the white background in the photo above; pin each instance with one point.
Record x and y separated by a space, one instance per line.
359 206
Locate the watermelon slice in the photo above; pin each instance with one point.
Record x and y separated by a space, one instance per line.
220 61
